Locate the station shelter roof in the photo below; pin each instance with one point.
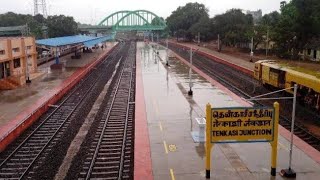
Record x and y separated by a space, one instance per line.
13 30
88 41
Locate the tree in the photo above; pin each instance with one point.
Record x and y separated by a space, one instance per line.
233 27
57 25
33 22
61 26
157 21
204 27
263 27
299 24
183 18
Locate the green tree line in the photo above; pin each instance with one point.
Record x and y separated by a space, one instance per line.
57 25
295 28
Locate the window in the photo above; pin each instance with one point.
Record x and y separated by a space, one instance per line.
15 50
16 63
28 47
2 52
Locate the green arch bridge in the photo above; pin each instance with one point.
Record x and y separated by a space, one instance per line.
139 20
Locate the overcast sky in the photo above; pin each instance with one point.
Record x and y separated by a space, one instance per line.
93 11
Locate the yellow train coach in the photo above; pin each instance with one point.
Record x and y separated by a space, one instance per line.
275 74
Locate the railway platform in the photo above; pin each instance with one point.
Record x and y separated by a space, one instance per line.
234 61
22 105
165 120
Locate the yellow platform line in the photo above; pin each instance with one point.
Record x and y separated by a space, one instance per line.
165 146
172 174
160 126
155 105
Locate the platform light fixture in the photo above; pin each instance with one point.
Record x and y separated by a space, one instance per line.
167 57
28 81
288 173
251 53
190 92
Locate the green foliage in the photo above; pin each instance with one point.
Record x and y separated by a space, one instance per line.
233 27
264 31
34 23
298 25
204 27
57 25
181 20
61 26
157 21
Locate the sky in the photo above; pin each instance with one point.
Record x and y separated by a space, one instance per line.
93 11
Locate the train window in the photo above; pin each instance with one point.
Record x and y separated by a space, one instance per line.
274 70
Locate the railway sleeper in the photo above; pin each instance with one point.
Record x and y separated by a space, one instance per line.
114 141
113 173
112 152
114 167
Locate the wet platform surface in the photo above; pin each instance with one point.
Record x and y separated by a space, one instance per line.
171 117
43 83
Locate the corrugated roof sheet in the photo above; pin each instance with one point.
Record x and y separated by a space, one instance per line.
67 40
88 41
93 42
13 28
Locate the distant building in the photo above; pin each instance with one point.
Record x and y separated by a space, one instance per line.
311 51
257 15
14 31
14 52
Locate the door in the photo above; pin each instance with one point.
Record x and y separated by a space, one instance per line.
7 69
1 70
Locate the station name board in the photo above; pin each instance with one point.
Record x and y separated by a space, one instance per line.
242 124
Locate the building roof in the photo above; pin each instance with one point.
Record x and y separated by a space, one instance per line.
313 44
12 28
88 41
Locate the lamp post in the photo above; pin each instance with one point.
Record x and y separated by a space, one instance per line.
290 173
190 92
267 43
167 57
27 66
218 42
251 53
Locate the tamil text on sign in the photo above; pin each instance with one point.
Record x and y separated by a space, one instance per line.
242 124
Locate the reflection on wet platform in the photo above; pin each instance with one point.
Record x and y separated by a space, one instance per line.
171 114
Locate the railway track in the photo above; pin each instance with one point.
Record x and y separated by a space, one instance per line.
30 151
248 87
110 154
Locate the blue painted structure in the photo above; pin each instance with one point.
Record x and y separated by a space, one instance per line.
88 41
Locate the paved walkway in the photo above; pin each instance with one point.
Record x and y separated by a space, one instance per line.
171 117
238 61
311 67
16 101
